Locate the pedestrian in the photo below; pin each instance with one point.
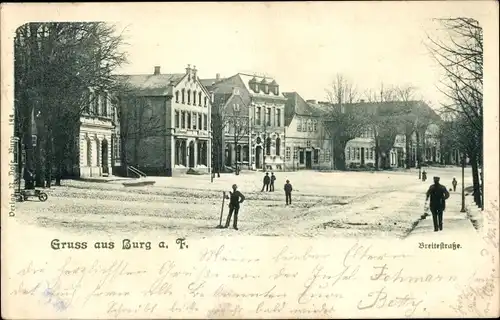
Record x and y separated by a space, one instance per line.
438 195
266 182
454 183
273 178
288 192
424 175
235 198
29 179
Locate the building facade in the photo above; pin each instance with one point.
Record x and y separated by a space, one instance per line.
266 117
361 150
96 136
165 123
306 143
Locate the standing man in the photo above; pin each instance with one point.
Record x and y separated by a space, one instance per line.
454 183
438 195
288 192
266 182
273 178
424 175
234 206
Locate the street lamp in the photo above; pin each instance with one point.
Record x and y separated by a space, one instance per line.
463 184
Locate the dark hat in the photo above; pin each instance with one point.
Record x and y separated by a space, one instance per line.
288 181
436 178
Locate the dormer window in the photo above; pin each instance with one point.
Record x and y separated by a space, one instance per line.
264 86
254 85
274 88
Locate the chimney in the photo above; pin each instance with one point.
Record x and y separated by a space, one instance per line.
188 69
194 72
217 77
157 70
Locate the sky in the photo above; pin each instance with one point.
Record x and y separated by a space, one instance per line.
303 45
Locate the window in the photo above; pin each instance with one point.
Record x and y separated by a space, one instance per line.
348 156
236 107
95 104
268 116
195 120
315 125
371 153
205 99
301 157
268 146
177 96
304 126
199 99
183 95
116 147
308 143
194 97
327 155
189 96
299 125
287 153
200 121
205 122
278 146
105 104
226 128
183 119
357 153
278 117
316 156
309 125
257 116
189 120
295 154
177 120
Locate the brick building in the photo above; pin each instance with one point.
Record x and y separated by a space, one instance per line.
165 123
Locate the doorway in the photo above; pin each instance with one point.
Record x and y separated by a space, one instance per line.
308 160
362 155
258 155
191 154
104 156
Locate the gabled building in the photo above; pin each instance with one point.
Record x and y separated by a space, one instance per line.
306 143
266 116
165 123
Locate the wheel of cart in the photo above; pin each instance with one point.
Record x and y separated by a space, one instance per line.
19 197
42 196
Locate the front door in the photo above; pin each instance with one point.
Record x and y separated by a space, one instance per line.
258 154
191 154
308 160
362 155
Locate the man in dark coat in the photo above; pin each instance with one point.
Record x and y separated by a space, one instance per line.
236 198
454 183
273 178
266 182
29 179
438 195
288 192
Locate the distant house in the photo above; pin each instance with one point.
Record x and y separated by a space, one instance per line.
306 143
165 123
266 107
361 150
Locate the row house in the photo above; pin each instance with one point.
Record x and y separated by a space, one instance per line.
98 135
265 103
166 122
361 151
306 144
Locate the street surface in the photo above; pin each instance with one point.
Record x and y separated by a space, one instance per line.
338 204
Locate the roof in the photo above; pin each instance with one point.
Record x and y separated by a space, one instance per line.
412 106
150 84
207 83
247 78
303 108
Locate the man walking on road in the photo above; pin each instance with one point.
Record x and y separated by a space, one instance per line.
288 192
454 183
234 206
273 178
438 195
266 182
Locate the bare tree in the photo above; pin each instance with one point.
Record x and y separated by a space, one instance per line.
342 121
460 55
